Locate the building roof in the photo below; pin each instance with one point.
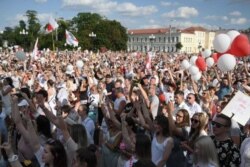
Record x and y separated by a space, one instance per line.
193 29
189 30
149 31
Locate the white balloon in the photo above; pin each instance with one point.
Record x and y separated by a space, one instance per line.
222 43
69 69
43 60
233 34
210 62
226 62
193 70
79 63
196 77
193 60
4 62
206 53
185 64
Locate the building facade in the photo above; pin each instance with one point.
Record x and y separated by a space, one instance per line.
193 39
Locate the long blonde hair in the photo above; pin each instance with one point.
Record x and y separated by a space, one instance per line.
207 152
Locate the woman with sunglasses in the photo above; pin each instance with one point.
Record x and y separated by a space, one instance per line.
52 154
180 130
199 123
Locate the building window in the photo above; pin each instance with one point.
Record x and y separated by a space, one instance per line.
159 39
177 39
145 39
133 39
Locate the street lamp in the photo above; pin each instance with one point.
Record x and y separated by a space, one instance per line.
199 47
92 36
23 32
151 38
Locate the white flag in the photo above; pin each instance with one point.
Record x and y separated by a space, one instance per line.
35 50
71 39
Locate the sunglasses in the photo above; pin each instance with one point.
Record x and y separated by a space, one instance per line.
217 124
194 121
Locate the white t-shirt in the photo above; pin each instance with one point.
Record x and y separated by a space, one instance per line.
158 150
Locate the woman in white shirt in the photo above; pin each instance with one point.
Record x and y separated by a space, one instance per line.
162 143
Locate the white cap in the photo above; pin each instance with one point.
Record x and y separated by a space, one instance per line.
23 103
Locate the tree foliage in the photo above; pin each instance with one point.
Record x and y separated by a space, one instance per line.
109 33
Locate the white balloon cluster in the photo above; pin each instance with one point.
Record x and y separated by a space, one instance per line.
222 44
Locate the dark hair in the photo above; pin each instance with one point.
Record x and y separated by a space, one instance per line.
44 93
144 163
181 93
131 123
43 126
9 81
87 155
66 108
163 122
143 147
50 82
26 91
227 119
58 151
79 135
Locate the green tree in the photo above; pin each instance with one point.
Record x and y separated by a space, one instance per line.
33 27
178 46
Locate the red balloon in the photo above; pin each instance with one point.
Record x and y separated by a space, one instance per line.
240 46
162 98
201 63
215 57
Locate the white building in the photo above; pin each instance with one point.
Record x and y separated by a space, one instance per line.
193 39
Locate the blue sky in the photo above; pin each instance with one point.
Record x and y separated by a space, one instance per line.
231 14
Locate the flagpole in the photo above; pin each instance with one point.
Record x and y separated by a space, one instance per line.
53 42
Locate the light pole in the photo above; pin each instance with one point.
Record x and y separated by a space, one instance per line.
199 47
92 36
151 39
24 32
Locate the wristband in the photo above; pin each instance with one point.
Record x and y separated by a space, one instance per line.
13 158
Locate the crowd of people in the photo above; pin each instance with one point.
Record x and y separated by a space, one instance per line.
113 110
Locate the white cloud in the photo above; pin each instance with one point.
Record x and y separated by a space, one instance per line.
42 17
67 3
165 3
105 6
40 1
235 13
186 24
238 21
184 12
216 18
129 9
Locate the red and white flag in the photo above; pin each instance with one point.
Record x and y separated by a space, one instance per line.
71 39
52 25
35 50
